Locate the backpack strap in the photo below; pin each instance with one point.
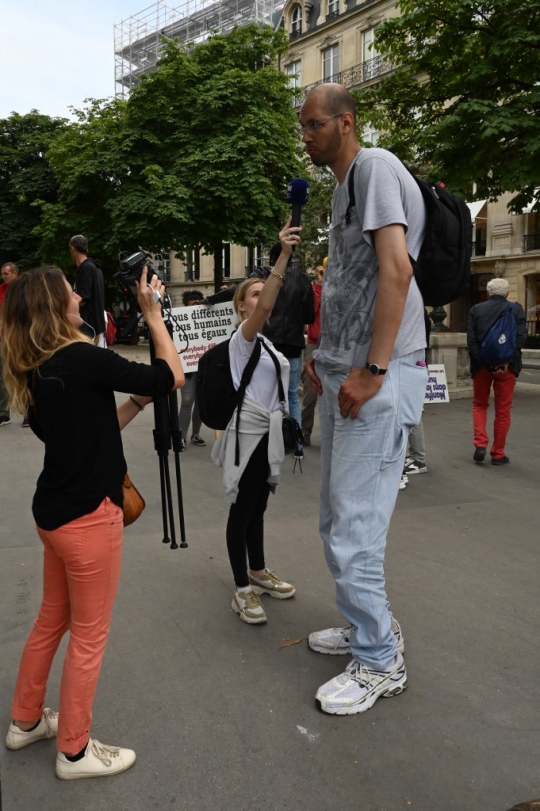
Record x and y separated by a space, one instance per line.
281 390
247 374
352 200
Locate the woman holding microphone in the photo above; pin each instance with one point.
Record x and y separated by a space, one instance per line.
248 484
68 384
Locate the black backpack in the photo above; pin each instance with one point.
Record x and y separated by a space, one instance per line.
216 396
443 267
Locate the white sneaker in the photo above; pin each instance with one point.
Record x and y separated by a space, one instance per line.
359 687
403 483
272 585
335 641
248 605
99 760
47 728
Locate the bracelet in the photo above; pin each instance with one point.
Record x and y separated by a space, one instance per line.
133 400
275 273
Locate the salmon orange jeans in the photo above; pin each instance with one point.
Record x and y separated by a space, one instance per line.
81 571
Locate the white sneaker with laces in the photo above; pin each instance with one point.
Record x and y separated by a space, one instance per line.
47 728
359 687
99 760
335 641
271 584
248 605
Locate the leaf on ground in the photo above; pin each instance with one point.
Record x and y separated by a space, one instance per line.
289 642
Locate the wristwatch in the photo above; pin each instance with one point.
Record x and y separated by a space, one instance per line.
374 369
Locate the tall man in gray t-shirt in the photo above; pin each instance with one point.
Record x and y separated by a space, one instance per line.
372 389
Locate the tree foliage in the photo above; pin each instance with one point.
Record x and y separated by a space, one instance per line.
200 153
25 176
464 97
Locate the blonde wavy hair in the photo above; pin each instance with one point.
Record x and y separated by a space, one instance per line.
241 293
34 326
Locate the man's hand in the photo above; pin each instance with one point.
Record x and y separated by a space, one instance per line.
356 390
314 381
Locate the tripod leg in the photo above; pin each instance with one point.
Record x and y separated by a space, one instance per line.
166 538
176 437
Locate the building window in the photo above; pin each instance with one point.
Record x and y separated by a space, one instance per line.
296 22
333 9
331 64
226 259
370 135
294 74
255 259
192 267
371 59
163 267
369 50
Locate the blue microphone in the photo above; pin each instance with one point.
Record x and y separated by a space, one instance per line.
297 196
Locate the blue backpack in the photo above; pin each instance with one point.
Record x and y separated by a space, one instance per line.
500 341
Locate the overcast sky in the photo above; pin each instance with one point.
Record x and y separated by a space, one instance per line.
56 53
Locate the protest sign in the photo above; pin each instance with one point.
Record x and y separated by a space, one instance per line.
196 329
437 388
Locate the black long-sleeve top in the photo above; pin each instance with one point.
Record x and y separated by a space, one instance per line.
481 318
74 414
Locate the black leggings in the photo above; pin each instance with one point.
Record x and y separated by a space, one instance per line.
245 527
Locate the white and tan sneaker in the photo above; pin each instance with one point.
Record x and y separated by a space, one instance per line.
271 584
248 605
99 760
335 641
47 728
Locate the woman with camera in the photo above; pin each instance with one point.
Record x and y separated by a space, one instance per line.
68 384
261 451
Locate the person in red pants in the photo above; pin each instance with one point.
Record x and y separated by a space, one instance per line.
502 377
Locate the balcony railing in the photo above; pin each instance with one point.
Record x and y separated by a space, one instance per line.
531 242
350 77
478 249
332 15
296 33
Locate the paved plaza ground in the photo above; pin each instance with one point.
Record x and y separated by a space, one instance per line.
222 719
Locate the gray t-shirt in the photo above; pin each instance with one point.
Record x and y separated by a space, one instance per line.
385 194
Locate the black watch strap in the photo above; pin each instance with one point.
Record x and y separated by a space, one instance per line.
374 369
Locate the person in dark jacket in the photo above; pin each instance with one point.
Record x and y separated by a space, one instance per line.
294 308
503 378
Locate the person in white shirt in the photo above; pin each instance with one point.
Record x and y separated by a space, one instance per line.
248 484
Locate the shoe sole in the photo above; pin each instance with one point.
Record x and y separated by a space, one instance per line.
249 620
27 743
81 776
346 651
414 472
395 690
277 595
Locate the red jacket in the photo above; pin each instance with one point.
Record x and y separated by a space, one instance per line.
3 291
314 330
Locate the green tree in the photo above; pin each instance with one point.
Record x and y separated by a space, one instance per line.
25 176
316 218
464 96
200 153
86 158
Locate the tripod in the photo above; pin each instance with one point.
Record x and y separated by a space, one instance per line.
166 436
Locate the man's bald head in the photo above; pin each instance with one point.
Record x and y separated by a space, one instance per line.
334 98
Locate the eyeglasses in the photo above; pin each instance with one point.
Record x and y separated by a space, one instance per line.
313 126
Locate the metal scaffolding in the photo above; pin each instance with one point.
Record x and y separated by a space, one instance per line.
138 39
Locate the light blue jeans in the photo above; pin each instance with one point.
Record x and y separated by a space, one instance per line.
294 382
362 462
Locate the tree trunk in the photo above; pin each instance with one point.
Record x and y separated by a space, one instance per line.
218 265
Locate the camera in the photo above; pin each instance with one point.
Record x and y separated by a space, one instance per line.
132 268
